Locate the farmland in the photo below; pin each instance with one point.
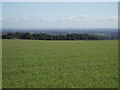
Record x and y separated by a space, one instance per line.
60 64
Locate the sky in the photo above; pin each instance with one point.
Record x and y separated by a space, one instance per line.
52 15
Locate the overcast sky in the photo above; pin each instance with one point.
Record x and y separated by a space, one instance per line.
59 15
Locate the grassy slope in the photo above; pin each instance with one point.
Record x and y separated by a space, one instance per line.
59 64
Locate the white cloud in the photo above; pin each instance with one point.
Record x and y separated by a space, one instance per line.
109 18
112 18
48 19
2 18
27 18
80 21
71 18
79 18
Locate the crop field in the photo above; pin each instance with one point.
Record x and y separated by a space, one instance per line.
60 64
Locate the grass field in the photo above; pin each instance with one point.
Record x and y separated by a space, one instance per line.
60 64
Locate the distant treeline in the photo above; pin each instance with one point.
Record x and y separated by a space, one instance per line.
43 36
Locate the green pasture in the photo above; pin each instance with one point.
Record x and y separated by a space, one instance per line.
59 64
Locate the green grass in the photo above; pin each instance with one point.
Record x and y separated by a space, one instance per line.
60 64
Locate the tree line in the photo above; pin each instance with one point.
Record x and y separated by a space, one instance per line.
43 36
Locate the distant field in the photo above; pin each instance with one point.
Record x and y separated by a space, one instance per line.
60 64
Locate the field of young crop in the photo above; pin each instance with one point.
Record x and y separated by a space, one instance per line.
60 64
